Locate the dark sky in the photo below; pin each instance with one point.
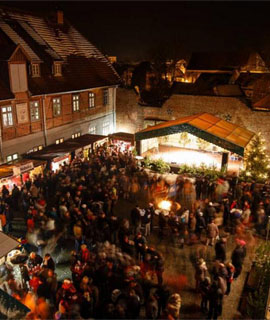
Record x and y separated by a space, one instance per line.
133 30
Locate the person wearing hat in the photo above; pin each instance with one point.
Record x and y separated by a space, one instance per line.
238 256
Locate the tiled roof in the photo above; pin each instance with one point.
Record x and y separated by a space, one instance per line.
204 85
84 66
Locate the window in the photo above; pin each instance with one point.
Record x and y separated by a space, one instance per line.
92 130
58 141
105 97
35 149
7 116
56 106
76 135
106 128
34 110
57 69
12 157
35 70
91 100
76 102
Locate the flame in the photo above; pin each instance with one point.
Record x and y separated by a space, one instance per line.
165 205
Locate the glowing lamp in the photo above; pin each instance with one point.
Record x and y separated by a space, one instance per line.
165 205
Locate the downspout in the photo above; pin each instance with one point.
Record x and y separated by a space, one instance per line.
1 146
44 121
114 110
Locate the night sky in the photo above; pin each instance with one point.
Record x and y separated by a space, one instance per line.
134 30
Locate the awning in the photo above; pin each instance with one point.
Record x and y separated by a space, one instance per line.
124 136
222 133
7 244
65 148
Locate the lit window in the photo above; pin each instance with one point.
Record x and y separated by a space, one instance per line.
61 140
57 69
76 135
34 110
92 130
12 157
35 70
7 116
56 107
91 100
76 102
105 97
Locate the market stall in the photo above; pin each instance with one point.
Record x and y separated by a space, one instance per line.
19 172
124 140
58 154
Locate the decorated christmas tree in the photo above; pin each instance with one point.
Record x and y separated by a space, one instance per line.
256 161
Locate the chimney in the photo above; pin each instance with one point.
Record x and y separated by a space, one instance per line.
60 17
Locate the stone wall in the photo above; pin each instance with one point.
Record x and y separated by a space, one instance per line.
130 115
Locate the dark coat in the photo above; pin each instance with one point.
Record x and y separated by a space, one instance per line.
238 256
220 249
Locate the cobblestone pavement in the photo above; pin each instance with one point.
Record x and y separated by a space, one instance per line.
179 268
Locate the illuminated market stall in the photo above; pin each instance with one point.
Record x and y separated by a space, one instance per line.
194 140
58 154
19 172
123 140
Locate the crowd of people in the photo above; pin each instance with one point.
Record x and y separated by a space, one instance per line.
115 272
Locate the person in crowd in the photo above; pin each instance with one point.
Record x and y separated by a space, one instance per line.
212 233
200 272
238 256
136 219
220 249
204 290
48 262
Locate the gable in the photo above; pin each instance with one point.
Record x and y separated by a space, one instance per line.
18 56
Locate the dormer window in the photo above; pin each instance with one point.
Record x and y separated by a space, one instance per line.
57 69
35 70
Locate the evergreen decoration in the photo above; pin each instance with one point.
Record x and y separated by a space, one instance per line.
257 298
256 162
158 165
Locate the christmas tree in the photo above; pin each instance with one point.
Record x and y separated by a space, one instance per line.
256 161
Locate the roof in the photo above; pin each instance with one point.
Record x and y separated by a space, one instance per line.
12 308
209 85
7 244
68 146
44 42
206 126
224 61
228 90
263 104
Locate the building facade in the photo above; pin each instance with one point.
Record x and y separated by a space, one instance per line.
54 84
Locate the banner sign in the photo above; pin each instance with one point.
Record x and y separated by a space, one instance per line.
22 112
